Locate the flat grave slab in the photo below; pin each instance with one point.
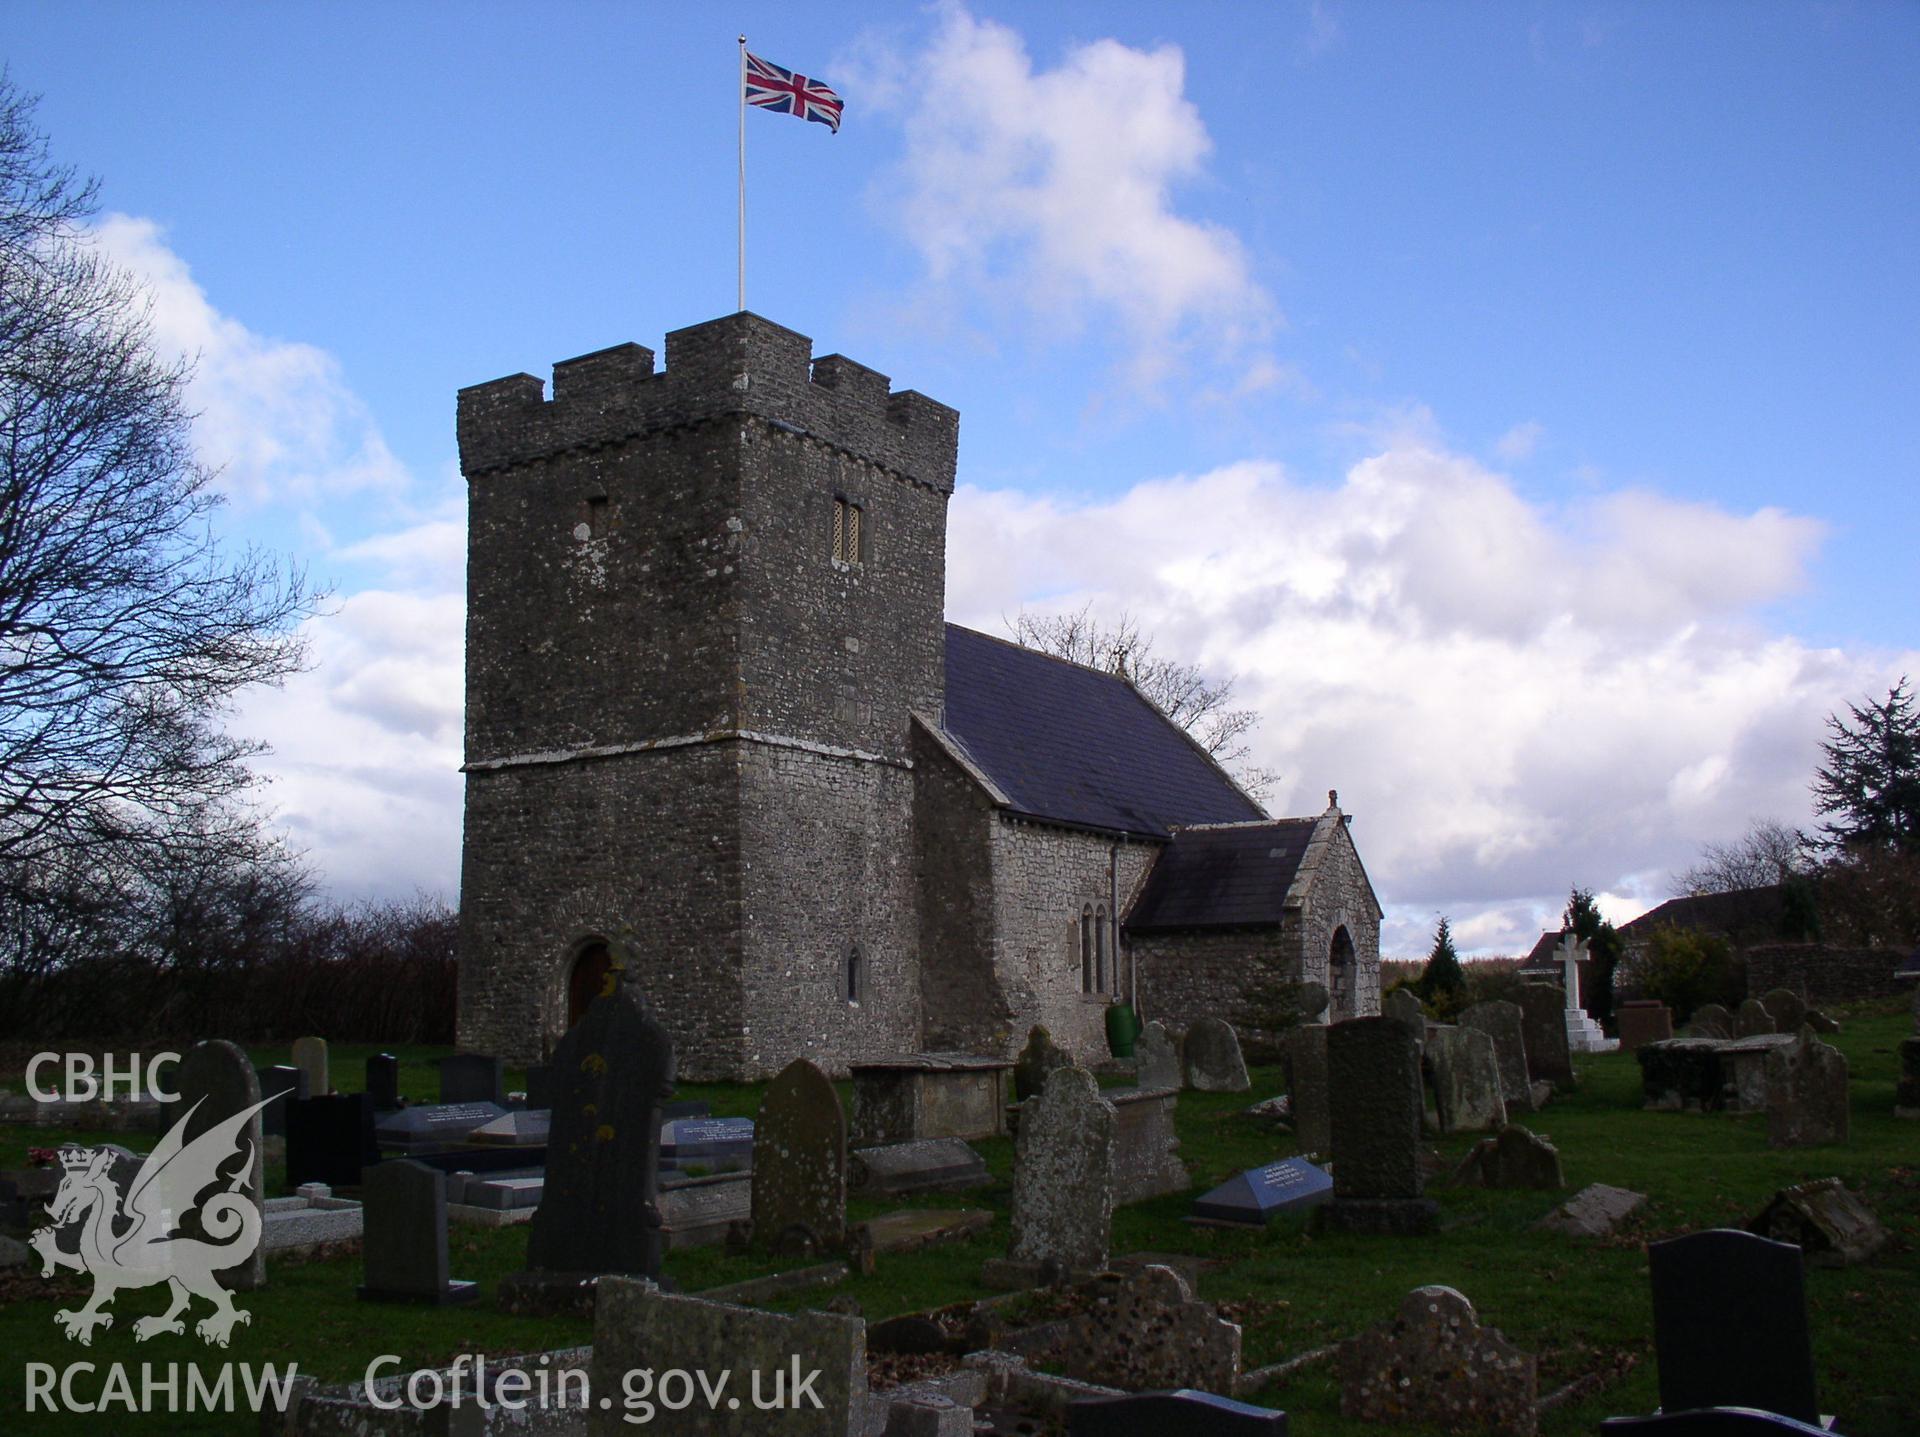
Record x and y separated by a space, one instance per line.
520 1128
1256 1195
433 1126
925 1165
718 1144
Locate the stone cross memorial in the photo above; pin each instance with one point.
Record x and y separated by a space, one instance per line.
404 1238
1063 1174
800 1164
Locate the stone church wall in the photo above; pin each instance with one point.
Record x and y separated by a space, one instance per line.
1341 897
1043 877
965 1007
1201 974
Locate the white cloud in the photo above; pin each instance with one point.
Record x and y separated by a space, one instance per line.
1055 187
1519 442
275 417
1512 699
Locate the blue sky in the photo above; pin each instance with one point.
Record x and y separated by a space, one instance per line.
1516 398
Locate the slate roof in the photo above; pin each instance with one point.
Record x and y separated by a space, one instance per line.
1073 745
1235 877
1745 913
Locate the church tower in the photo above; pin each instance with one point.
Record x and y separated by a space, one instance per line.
703 605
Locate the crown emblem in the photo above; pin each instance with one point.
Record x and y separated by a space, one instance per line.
75 1159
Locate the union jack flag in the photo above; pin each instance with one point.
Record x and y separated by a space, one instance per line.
772 88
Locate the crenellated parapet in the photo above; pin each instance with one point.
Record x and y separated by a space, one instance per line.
741 365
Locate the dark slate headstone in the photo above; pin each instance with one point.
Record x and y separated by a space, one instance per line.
669 1112
600 1212
717 1144
281 1084
800 1175
1040 1057
540 1085
1543 1015
1171 1414
473 1078
1306 1059
217 1076
329 1140
436 1125
403 1240
383 1082
1373 1083
1730 1324
1906 1091
1258 1193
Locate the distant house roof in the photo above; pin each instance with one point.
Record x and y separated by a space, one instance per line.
1070 744
1741 913
1232 877
1541 959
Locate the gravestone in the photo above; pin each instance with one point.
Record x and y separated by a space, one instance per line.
1543 1017
1313 999
1512 1158
383 1082
929 1095
1708 1285
1710 1020
800 1167
217 1077
1157 1058
1643 1021
1806 1093
1752 1020
1147 1330
1831 1226
310 1057
1063 1174
636 1327
403 1239
1502 1022
1210 1053
433 1126
1466 1080
598 1212
1787 1009
703 1211
1434 1363
280 1086
1373 1081
1594 1211
540 1085
1171 1414
473 1078
1403 1006
928 1165
330 1139
1906 1092
1256 1195
1306 1059
927 1414
1146 1146
1040 1057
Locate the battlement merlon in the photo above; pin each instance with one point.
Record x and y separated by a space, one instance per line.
739 365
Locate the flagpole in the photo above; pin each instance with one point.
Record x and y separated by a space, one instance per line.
743 173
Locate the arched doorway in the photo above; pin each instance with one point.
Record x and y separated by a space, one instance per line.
1342 972
588 978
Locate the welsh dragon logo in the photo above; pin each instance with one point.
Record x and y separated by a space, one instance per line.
133 1239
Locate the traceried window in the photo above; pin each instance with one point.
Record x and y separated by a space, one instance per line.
846 532
856 977
1087 941
1100 950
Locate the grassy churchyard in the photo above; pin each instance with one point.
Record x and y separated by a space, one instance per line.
1582 1306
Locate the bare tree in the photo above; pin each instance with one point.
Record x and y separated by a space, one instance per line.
125 628
1181 691
1768 852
